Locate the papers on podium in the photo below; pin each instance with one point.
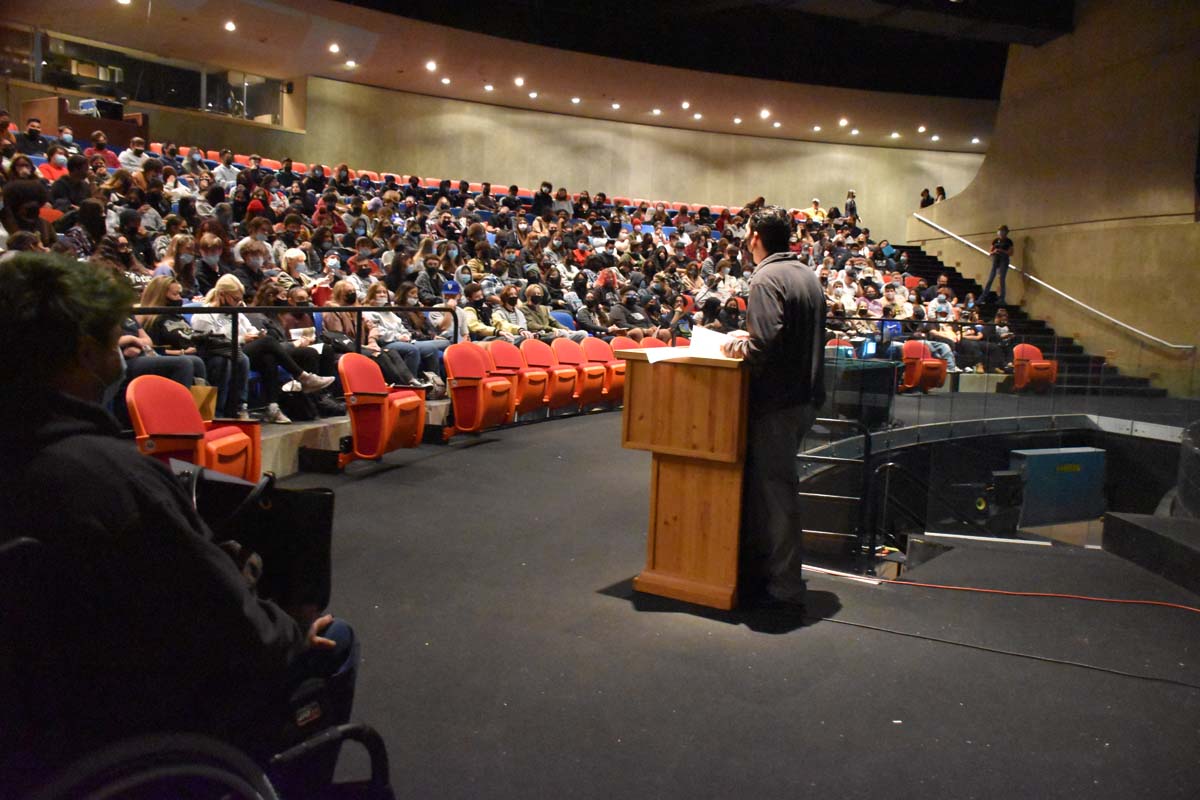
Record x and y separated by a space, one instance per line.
706 343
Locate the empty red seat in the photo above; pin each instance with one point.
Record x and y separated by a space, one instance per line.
480 401
652 341
682 341
156 148
560 389
299 167
598 351
911 282
213 155
476 187
167 424
1031 370
589 378
431 183
241 159
623 343
271 163
529 384
921 370
382 418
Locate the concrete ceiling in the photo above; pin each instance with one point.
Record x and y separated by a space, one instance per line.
289 41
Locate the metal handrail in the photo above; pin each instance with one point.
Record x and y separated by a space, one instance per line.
886 469
1060 292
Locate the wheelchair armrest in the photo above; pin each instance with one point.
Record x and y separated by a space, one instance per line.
365 735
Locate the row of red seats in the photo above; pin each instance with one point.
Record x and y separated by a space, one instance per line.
923 372
433 183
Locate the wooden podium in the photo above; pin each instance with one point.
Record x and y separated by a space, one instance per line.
691 414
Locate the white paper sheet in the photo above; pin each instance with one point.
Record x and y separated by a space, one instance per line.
656 354
707 342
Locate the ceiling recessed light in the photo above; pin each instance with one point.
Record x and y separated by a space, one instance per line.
895 134
519 81
843 122
685 105
935 138
778 124
616 106
697 115
533 95
975 140
854 131
766 112
737 120
230 26
333 48
431 65
445 81
124 2
576 100
487 87
816 128
350 62
920 129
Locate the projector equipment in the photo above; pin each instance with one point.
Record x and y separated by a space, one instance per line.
102 108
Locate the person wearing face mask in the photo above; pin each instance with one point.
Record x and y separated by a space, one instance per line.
210 266
258 229
362 268
543 200
354 218
179 261
592 318
251 273
23 201
423 334
99 147
630 315
508 316
226 173
132 157
784 349
31 142
431 280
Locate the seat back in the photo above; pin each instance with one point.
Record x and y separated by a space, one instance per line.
624 343
915 350
565 318
597 351
652 341
683 341
569 353
1026 352
505 356
466 361
159 406
538 354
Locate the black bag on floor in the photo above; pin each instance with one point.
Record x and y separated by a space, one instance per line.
299 406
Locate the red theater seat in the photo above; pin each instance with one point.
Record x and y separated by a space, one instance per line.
321 295
1031 370
374 176
589 378
652 341
240 159
560 389
682 341
921 370
480 401
529 384
597 351
271 163
623 343
382 419
167 424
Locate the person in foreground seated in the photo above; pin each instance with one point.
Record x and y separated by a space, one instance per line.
151 627
784 347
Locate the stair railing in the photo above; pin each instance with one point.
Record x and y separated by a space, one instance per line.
1060 292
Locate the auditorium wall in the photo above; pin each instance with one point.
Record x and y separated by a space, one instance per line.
1092 166
433 136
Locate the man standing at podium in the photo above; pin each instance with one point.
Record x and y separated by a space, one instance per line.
784 349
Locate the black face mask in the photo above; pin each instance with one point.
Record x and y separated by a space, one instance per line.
630 302
591 303
100 146
364 271
511 300
477 304
536 299
176 303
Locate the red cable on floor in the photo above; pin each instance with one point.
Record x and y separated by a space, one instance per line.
1120 601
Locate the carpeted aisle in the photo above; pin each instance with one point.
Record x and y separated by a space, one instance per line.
504 655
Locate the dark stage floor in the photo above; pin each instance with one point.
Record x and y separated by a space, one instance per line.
504 655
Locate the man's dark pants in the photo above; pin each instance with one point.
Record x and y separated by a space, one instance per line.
771 548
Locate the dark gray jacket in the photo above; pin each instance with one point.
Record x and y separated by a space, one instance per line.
785 317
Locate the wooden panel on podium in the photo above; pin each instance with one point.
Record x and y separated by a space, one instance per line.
691 414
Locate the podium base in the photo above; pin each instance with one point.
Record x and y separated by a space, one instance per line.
687 589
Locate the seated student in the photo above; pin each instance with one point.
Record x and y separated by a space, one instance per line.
266 353
629 314
173 335
540 322
396 332
121 653
478 311
99 140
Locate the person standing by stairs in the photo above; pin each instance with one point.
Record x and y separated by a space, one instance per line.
1001 252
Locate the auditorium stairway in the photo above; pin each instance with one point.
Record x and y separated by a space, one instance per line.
1079 372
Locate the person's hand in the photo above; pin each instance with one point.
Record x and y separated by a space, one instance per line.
613 329
304 341
508 337
526 334
191 351
314 640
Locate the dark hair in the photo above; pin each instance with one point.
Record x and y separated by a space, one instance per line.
774 228
47 304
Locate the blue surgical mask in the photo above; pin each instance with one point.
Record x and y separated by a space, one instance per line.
262 237
66 138
452 252
195 156
211 260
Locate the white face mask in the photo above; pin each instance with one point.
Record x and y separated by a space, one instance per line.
254 261
412 301
381 300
